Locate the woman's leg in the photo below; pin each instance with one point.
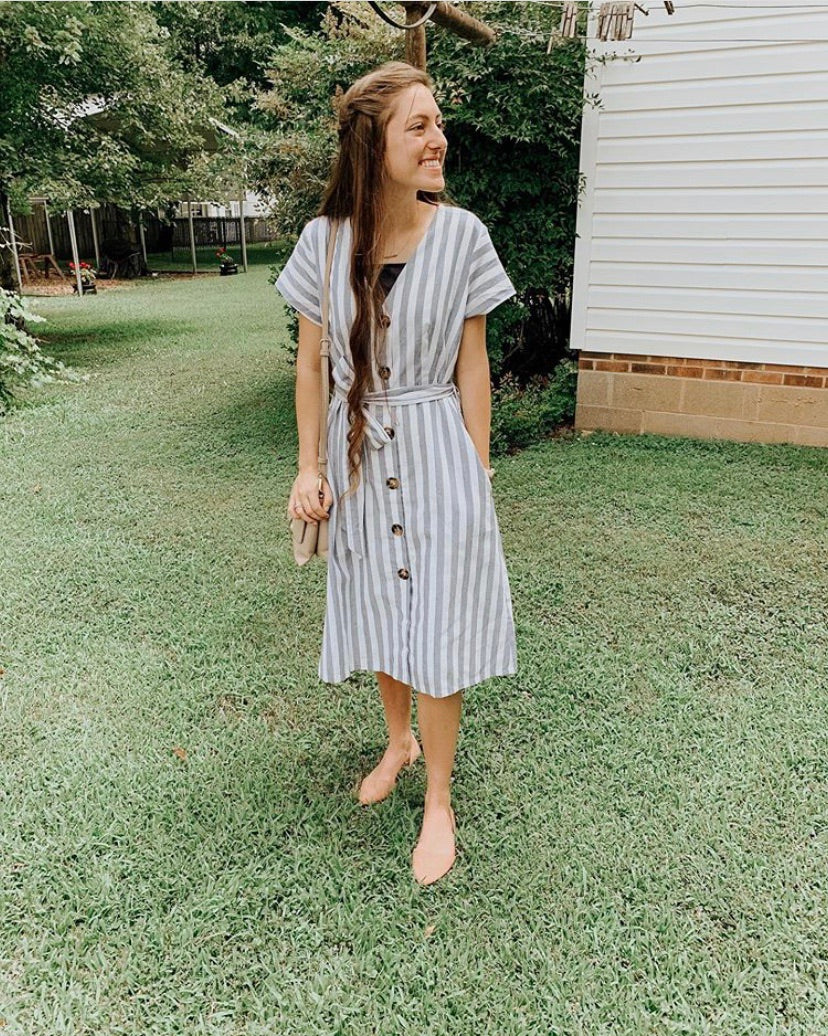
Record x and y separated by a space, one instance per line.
439 721
403 747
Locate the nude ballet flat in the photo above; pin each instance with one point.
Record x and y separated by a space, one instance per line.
428 866
373 790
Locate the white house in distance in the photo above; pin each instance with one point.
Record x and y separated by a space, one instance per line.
700 296
253 208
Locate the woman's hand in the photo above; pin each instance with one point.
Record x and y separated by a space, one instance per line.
306 501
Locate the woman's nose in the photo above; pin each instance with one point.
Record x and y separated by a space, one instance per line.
438 140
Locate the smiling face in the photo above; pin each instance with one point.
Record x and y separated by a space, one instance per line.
415 146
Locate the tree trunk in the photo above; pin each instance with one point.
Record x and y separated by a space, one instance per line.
7 278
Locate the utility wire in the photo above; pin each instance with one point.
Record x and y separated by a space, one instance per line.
684 5
531 34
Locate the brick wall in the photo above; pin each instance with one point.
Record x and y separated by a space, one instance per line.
711 399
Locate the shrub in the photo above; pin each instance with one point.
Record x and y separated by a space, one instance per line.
522 415
21 361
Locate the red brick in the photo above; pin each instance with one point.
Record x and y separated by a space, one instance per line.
685 372
630 357
719 374
647 368
803 380
612 365
763 377
585 365
783 368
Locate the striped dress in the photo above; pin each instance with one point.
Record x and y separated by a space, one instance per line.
417 585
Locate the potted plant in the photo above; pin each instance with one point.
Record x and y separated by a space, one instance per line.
227 264
87 276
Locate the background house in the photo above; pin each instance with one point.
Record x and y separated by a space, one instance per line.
700 296
254 208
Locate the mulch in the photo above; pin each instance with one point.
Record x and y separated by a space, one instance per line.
53 286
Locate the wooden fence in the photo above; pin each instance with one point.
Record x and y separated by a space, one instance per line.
113 222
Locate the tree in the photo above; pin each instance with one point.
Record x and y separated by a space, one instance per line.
96 108
231 42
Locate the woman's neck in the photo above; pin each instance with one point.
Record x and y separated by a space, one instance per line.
402 237
404 215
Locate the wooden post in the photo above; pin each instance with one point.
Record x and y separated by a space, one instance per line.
450 17
15 256
70 219
243 231
441 13
49 229
192 234
415 39
143 238
95 237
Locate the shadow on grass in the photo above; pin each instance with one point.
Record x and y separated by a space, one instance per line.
250 424
101 344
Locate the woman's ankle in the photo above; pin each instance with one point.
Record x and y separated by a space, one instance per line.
403 743
440 799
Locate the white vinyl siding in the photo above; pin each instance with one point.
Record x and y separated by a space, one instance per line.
703 230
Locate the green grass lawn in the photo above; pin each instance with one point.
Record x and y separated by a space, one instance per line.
642 811
181 259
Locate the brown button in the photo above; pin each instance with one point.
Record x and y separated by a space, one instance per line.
389 431
397 529
402 573
385 320
392 483
385 372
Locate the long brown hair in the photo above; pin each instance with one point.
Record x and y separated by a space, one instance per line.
355 191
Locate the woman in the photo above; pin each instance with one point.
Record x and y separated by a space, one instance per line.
417 587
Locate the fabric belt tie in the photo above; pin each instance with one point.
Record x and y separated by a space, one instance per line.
351 519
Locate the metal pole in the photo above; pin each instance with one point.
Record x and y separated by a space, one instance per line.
243 237
14 248
70 219
49 229
192 234
143 237
95 238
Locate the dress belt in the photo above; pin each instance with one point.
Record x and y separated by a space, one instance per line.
351 520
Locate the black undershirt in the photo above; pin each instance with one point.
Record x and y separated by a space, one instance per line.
388 274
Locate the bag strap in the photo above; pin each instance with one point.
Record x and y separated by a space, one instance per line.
324 350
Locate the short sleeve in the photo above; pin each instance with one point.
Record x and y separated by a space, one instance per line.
489 284
300 281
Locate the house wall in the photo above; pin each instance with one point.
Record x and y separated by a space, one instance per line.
701 264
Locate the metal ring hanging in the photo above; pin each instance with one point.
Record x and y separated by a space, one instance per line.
397 25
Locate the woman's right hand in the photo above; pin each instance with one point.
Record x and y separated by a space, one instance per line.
306 502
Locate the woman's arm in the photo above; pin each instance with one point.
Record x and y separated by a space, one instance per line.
474 382
308 393
305 501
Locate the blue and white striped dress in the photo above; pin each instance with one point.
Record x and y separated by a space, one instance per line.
417 584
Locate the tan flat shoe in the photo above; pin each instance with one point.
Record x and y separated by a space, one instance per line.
374 789
430 866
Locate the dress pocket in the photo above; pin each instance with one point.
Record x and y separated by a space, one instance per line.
481 471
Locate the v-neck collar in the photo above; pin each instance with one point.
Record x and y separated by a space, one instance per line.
406 266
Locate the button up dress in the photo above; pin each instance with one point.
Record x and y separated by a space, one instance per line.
417 585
